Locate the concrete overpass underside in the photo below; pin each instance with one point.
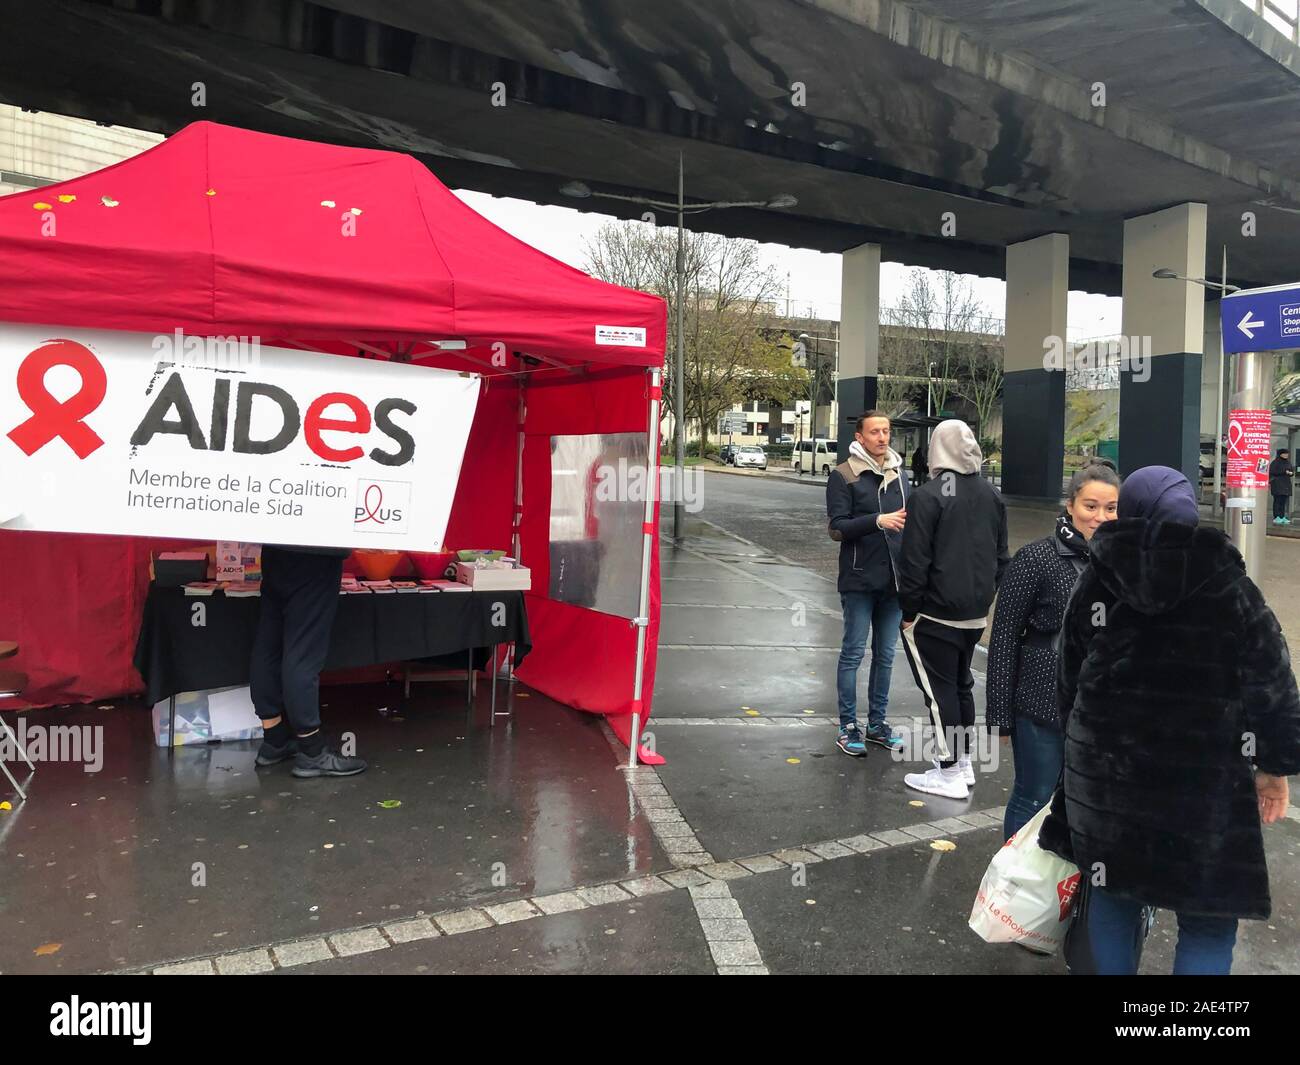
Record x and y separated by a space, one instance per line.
982 108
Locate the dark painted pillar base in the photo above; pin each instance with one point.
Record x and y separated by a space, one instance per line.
855 396
1160 418
1033 433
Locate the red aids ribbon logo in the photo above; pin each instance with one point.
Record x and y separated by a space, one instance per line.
1065 892
1235 441
372 512
53 417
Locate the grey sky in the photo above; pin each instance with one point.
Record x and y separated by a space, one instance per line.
814 276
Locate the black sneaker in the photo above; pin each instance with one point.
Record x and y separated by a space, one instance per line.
326 764
884 737
850 742
270 754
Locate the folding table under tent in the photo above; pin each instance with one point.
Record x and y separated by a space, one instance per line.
219 231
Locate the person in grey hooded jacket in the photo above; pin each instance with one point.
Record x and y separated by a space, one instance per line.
953 555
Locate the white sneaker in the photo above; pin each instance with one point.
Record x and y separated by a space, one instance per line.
967 772
945 782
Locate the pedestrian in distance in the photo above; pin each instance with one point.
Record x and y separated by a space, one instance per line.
1021 685
1281 478
920 468
866 500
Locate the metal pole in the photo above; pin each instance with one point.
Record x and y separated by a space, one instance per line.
1217 508
642 620
519 473
1248 514
519 511
679 363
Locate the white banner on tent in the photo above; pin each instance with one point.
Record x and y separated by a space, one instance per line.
129 433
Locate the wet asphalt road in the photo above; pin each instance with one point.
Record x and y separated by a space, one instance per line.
789 518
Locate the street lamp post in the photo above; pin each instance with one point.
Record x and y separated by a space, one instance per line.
581 191
834 377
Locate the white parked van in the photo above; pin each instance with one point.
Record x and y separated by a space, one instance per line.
814 456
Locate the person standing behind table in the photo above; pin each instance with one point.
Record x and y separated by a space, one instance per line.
866 499
300 596
953 555
1182 723
1021 686
1281 475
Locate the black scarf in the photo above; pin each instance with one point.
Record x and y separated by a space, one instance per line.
1070 542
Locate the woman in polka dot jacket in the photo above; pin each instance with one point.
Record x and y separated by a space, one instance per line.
1022 658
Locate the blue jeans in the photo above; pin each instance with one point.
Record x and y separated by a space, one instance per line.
879 614
1204 943
1037 751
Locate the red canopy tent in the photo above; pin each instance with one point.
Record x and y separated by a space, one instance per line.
220 231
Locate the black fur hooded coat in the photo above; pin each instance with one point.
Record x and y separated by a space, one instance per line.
1174 684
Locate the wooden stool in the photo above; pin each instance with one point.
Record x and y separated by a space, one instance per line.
12 684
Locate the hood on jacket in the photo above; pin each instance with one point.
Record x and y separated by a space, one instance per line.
1153 566
861 459
953 447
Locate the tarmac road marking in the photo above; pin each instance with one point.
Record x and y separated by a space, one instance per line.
706 883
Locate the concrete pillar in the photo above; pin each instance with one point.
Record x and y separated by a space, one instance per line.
1033 397
855 389
1160 404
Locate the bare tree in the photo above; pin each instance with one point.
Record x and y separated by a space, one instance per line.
899 371
943 314
941 336
729 352
979 378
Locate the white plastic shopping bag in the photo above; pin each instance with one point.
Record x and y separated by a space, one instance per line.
1026 893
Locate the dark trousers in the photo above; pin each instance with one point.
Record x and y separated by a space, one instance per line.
300 596
1112 923
1280 503
940 658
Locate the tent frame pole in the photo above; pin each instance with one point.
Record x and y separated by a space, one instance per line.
642 619
515 544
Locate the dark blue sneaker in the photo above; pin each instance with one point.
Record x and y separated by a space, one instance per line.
850 742
883 737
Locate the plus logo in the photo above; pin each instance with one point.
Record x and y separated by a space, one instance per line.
52 417
382 507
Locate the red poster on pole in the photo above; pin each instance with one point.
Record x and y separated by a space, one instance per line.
1250 433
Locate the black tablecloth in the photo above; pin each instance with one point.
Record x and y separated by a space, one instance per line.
173 655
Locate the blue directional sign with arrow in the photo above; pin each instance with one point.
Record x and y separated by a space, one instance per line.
1261 319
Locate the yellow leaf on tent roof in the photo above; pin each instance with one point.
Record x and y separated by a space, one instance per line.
67 197
41 205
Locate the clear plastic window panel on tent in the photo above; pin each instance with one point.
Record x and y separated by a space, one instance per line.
598 491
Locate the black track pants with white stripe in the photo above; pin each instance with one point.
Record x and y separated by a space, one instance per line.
940 657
